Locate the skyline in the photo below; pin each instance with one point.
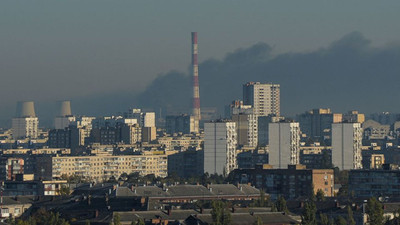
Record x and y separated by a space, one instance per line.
97 54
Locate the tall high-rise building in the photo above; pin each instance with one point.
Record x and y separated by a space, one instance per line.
284 144
237 107
346 145
195 77
263 128
264 98
179 124
149 119
25 125
354 117
220 142
317 123
247 129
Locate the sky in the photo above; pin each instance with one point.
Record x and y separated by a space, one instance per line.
89 50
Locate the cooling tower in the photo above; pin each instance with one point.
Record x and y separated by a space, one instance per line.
26 109
65 108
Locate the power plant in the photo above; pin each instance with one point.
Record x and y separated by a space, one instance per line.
25 109
25 124
196 90
65 108
65 117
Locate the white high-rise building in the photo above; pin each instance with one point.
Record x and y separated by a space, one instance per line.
264 98
149 119
145 119
26 124
346 145
247 129
284 144
220 147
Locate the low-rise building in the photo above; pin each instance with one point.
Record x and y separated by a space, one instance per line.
294 182
378 183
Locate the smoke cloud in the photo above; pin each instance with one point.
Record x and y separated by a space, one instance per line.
348 74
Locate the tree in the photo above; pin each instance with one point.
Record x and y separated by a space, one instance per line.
309 214
87 222
258 221
139 222
65 190
320 195
340 221
116 219
323 219
280 205
219 213
263 201
375 212
350 217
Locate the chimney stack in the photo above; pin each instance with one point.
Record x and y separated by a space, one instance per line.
196 90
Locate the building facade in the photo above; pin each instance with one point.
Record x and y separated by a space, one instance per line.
247 129
284 144
220 143
264 98
291 183
102 167
378 183
346 145
180 124
317 123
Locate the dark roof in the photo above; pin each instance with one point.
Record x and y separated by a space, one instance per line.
246 218
239 218
188 190
148 215
18 200
185 190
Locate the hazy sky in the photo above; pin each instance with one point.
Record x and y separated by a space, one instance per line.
52 50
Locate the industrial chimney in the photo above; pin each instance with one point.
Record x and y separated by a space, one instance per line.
26 109
195 75
65 108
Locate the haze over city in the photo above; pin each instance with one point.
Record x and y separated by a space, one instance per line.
199 112
108 56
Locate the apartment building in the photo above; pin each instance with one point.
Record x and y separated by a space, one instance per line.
101 167
291 183
264 98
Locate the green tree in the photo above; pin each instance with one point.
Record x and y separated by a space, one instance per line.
87 222
219 213
323 219
340 221
309 214
350 217
280 205
320 195
258 221
263 201
139 222
64 190
117 219
375 212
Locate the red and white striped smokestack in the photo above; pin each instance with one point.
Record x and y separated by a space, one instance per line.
196 92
